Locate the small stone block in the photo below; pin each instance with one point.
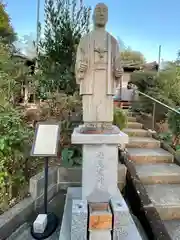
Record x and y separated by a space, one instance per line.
40 223
101 234
122 216
79 220
121 233
100 219
128 232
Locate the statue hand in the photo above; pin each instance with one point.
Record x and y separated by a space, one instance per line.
83 67
119 73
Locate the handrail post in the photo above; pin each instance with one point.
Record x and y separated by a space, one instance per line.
153 115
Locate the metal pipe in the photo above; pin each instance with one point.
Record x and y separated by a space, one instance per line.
153 99
159 59
153 115
46 185
37 41
37 27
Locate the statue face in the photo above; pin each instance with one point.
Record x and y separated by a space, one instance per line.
100 15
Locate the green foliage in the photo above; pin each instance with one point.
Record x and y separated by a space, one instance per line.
71 156
65 22
6 30
62 106
177 147
70 115
144 80
13 76
15 139
174 124
155 86
166 136
16 136
65 108
168 82
120 118
163 87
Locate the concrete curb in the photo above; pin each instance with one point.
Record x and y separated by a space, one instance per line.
15 216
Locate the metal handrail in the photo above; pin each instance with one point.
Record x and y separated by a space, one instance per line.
155 100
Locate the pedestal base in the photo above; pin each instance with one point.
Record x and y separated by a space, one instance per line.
52 222
100 160
126 230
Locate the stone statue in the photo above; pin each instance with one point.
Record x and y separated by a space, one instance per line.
98 70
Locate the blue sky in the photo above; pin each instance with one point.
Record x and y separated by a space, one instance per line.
141 24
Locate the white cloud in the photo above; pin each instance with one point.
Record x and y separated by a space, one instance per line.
26 45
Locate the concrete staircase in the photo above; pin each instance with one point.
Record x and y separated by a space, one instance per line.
159 175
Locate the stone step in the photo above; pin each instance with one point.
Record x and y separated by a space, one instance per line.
143 142
173 228
166 199
135 132
134 125
145 155
131 119
163 173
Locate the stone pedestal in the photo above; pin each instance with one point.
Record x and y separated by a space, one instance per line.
123 224
73 226
79 219
98 210
100 163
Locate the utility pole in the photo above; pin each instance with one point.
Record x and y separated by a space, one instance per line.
37 40
159 58
37 30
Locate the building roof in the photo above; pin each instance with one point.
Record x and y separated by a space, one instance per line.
132 66
22 56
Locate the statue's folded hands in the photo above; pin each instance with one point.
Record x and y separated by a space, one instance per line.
83 67
119 73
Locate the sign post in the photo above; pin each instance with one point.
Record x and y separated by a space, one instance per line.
45 145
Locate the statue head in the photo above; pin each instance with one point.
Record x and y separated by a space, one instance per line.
100 15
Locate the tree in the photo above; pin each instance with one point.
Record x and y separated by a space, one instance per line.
132 57
8 72
168 81
163 87
6 29
144 80
65 23
13 129
15 74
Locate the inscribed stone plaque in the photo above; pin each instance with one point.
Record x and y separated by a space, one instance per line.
102 162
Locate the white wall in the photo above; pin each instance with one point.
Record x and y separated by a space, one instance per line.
126 93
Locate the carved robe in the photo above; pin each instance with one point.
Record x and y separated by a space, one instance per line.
97 85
